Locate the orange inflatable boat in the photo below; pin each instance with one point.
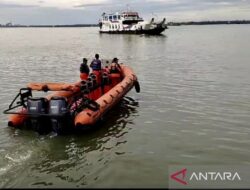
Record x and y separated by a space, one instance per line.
72 106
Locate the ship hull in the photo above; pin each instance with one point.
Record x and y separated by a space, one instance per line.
156 31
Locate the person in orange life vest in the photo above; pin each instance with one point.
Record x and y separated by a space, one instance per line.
115 66
84 69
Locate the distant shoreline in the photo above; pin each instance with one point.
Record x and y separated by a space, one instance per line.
209 22
46 26
9 25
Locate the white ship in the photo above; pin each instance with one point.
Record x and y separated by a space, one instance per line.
130 23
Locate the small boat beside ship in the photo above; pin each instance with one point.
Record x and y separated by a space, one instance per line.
71 106
130 23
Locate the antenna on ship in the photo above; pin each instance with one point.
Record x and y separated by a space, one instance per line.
128 8
155 15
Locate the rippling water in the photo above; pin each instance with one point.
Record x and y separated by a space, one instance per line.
193 108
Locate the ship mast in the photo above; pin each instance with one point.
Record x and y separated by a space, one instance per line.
128 8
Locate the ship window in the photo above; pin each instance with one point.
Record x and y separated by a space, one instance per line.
119 17
114 17
110 17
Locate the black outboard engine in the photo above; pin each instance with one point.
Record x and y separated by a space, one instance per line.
60 115
37 108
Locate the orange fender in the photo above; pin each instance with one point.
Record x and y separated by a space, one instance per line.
53 86
17 120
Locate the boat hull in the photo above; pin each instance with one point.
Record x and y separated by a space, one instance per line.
156 31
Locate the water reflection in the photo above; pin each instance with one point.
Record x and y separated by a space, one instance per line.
76 159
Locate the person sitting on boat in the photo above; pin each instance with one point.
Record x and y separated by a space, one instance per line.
96 64
84 69
115 71
115 66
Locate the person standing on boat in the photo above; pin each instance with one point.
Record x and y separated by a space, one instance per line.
96 66
84 69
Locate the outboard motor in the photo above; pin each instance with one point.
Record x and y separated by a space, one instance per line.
37 108
59 114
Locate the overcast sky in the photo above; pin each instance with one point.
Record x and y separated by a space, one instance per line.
89 11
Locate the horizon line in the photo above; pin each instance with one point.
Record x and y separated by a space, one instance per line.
9 24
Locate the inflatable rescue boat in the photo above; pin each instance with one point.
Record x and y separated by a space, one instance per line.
71 106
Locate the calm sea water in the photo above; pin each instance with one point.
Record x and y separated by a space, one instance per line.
193 108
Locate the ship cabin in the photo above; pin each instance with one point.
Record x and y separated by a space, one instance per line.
125 17
128 22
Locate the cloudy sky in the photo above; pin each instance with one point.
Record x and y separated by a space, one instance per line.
89 11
